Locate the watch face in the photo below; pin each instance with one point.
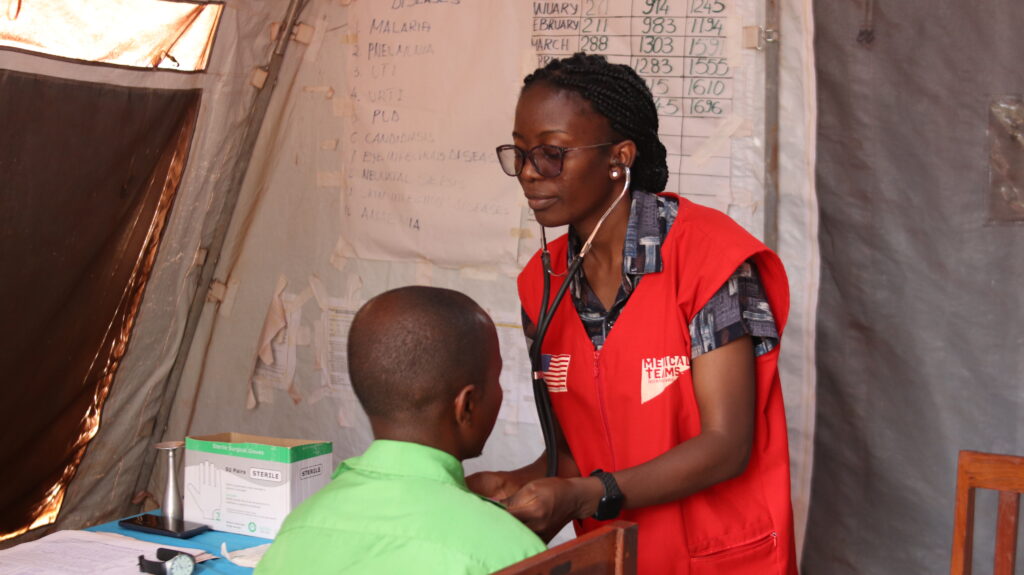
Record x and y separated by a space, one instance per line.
609 507
181 565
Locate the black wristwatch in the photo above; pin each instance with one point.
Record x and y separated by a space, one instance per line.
169 562
611 504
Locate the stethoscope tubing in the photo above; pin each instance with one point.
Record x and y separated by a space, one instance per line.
540 388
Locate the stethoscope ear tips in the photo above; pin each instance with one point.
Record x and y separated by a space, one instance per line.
617 172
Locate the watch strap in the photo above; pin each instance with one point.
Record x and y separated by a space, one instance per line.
153 567
611 503
611 487
165 554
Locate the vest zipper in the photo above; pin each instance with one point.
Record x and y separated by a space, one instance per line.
599 388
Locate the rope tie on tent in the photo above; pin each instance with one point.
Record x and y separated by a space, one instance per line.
867 27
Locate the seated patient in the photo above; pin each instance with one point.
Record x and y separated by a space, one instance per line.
424 363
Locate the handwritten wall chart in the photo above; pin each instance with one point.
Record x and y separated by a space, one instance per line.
432 89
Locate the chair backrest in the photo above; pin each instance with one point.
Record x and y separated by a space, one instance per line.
607 550
1002 473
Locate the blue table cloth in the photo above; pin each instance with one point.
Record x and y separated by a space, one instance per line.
207 541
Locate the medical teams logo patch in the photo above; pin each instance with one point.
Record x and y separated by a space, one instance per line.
657 373
555 370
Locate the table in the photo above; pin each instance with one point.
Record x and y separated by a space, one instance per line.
208 541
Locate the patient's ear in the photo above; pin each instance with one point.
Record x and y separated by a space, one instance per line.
467 422
465 404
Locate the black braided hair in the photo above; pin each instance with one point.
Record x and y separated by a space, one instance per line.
618 93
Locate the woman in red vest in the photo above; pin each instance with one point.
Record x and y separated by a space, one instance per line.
661 366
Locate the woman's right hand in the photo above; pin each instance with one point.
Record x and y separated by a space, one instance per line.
545 505
500 485
496 485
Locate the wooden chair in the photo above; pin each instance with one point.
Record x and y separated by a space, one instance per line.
1003 473
608 550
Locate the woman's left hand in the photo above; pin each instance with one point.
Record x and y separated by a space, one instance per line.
546 505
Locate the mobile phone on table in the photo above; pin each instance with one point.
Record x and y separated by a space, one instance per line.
160 525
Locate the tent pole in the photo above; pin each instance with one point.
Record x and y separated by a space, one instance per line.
213 249
771 124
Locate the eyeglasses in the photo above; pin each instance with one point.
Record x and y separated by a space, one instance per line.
546 159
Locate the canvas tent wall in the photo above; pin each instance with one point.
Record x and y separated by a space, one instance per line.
105 483
920 322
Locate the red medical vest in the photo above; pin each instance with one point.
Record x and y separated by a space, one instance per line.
633 400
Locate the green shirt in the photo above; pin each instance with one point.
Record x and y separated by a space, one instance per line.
398 508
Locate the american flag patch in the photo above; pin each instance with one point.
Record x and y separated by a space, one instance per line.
555 370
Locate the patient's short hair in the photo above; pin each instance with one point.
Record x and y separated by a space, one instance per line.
415 346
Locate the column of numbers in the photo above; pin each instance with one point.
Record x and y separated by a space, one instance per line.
605 29
708 91
709 77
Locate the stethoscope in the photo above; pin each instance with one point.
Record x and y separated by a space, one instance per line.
544 317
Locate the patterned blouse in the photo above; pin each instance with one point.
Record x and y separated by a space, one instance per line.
738 308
